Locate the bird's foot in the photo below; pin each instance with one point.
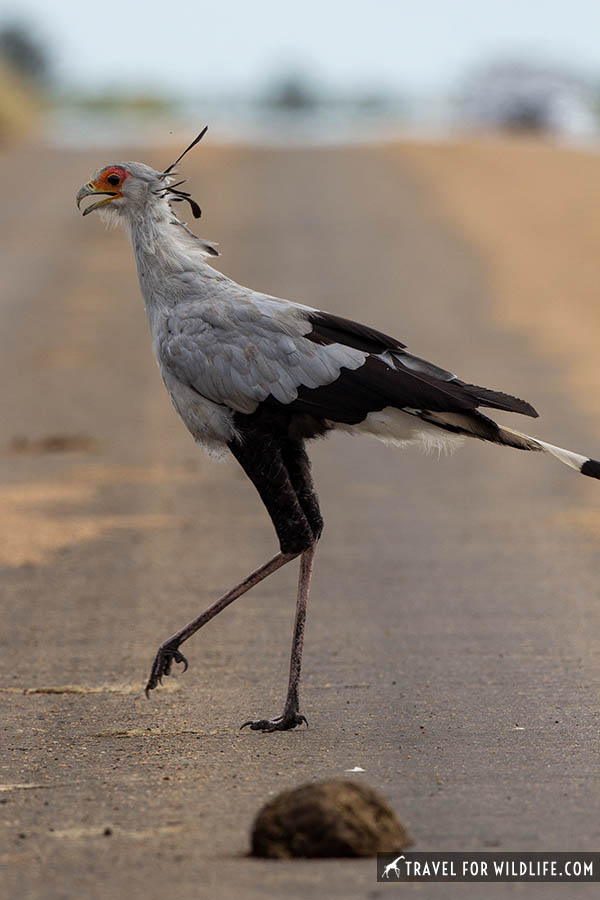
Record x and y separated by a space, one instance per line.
163 661
280 723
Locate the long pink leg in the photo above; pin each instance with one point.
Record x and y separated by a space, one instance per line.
291 715
169 652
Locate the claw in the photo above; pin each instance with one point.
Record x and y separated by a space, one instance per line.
180 658
163 662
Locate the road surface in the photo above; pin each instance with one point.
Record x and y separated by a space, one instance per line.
451 640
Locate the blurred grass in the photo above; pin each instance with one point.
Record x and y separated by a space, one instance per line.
20 107
137 102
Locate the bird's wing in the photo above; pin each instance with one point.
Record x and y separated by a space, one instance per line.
240 350
244 349
391 376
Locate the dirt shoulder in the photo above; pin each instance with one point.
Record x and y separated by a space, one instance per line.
533 211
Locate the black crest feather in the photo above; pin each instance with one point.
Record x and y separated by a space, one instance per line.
187 150
180 196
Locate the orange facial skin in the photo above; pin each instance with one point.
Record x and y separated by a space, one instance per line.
102 183
108 182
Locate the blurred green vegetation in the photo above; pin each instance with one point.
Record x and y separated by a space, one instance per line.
138 102
25 75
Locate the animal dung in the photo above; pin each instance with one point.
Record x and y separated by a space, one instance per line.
327 819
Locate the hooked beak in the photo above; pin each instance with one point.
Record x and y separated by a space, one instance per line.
88 189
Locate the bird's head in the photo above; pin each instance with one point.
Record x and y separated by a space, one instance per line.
128 188
124 188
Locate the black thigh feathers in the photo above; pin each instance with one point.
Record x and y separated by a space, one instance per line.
272 454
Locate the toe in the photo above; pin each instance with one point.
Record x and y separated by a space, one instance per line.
281 723
257 724
180 658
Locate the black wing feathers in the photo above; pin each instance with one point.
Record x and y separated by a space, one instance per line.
498 400
329 329
416 386
352 396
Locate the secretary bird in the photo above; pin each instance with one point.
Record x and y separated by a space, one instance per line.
259 376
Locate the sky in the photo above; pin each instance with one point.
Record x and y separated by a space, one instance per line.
233 45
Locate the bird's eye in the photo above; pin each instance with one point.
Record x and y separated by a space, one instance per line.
113 179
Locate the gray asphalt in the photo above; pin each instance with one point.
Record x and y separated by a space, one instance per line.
453 624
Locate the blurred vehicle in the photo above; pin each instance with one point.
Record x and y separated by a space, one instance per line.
525 97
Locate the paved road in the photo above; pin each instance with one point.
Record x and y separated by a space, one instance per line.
454 614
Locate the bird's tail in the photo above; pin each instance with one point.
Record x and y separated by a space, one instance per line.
476 425
582 464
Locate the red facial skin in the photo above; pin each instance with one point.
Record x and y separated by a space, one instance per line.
103 184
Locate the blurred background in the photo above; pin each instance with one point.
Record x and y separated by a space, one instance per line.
83 74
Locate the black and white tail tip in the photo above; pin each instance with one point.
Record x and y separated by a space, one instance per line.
583 464
591 467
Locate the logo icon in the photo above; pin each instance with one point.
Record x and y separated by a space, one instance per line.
393 867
